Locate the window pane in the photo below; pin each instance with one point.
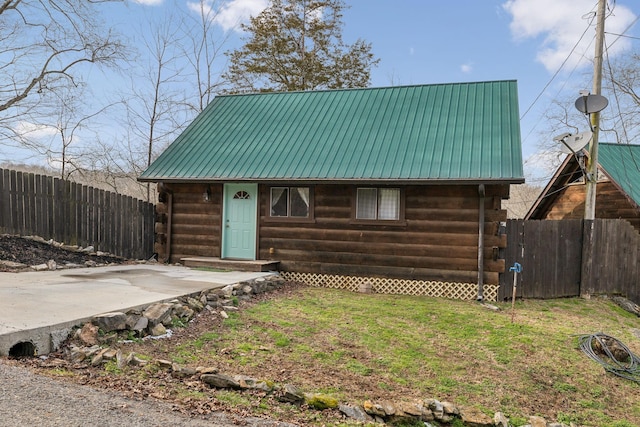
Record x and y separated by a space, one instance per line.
366 203
389 203
279 196
300 202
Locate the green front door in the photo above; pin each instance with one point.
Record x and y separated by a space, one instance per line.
239 219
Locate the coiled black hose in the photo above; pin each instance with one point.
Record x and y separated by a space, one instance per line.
612 354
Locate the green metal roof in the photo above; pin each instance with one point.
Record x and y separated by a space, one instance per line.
449 132
621 162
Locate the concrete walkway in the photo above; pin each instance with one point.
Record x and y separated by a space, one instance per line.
42 307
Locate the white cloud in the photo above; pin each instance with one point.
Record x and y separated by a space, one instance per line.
230 13
466 68
149 2
34 131
561 23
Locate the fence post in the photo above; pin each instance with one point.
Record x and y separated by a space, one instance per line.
588 255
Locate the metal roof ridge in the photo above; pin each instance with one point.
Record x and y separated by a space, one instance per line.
415 85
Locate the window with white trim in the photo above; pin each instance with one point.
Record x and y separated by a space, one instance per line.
289 202
378 204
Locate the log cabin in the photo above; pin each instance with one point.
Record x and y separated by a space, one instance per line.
395 188
617 188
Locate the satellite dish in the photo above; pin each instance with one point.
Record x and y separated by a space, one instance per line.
588 104
575 143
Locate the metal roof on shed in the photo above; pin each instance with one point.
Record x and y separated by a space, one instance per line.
621 162
448 132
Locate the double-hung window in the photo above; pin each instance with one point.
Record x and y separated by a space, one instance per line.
290 202
378 204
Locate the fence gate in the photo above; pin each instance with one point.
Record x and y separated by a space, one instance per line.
550 253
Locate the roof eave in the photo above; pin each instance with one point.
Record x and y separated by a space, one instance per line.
381 181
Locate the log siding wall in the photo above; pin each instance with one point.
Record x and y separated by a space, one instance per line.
436 241
195 224
611 203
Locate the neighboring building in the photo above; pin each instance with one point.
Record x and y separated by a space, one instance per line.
345 186
617 191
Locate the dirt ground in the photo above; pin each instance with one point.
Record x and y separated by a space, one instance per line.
30 252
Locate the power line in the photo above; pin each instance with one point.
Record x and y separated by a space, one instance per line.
558 70
624 35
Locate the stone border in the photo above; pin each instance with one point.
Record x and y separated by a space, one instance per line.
98 337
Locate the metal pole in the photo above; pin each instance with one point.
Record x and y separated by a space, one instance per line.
481 195
592 165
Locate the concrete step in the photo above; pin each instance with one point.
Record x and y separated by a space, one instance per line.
230 264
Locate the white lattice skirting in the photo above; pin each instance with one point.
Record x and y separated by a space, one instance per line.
463 291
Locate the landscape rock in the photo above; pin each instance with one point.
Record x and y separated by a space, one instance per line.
13 265
410 409
40 267
365 288
98 358
108 322
185 312
473 417
373 409
206 370
536 421
627 305
158 313
292 394
355 412
220 381
227 291
450 408
195 304
141 324
131 319
158 330
178 371
126 361
88 335
77 355
109 353
500 420
436 408
321 401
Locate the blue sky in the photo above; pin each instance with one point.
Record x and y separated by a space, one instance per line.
425 41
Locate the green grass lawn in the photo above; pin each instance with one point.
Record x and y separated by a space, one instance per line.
404 348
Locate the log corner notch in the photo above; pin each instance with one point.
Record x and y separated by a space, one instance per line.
481 196
163 223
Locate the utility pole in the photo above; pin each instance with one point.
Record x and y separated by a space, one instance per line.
592 166
588 247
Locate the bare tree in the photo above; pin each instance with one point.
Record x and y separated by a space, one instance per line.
156 107
203 51
622 79
44 48
72 118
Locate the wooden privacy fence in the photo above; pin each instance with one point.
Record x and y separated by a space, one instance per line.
572 257
75 214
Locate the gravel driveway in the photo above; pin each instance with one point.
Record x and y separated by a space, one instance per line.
30 399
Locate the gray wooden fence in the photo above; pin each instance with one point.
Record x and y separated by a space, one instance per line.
571 258
75 214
